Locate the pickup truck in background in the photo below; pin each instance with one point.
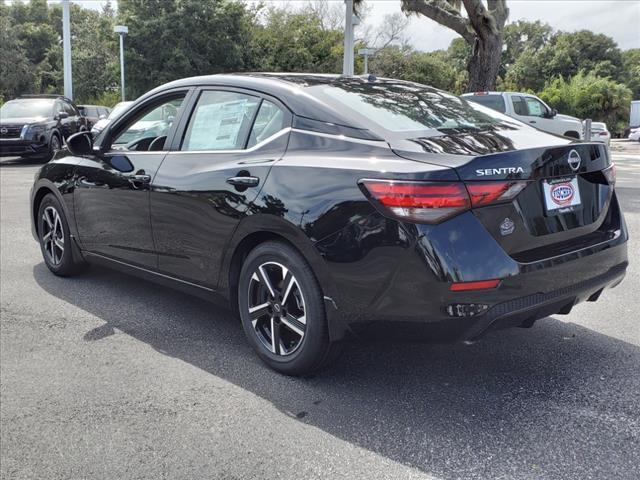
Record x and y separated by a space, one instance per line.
531 110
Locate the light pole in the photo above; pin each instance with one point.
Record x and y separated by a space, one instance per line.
121 30
66 50
347 59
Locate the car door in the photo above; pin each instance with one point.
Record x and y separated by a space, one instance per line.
532 111
111 198
73 121
208 180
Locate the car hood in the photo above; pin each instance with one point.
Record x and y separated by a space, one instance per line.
22 120
100 124
146 124
561 116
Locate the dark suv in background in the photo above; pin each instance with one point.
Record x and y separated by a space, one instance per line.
37 125
93 113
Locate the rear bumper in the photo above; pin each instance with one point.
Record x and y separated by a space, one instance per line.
20 147
398 287
524 311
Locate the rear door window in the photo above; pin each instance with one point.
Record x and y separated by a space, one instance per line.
519 105
221 120
269 121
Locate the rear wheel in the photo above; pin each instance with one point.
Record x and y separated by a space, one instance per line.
282 310
55 239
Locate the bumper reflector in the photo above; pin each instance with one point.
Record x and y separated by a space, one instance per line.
467 286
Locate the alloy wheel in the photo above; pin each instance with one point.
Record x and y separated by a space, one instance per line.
55 145
52 235
277 308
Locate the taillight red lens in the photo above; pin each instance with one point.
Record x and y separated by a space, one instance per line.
480 285
418 201
610 174
485 193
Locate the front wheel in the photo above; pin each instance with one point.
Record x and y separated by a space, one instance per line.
282 310
54 147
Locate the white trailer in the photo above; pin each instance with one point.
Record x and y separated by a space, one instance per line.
634 114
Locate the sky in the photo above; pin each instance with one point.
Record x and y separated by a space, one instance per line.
619 19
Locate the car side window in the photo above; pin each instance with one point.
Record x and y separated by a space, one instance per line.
535 107
270 120
519 106
148 125
58 107
220 121
69 109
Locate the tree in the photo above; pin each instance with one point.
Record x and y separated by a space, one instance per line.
523 36
429 68
16 74
289 41
586 95
631 62
168 40
482 29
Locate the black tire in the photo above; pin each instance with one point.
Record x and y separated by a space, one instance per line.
58 255
54 145
314 350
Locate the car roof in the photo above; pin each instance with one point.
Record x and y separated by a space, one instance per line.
43 96
287 87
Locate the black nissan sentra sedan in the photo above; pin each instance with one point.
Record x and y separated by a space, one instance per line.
323 208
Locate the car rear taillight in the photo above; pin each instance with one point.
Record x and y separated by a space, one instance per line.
433 202
610 174
603 134
486 193
424 202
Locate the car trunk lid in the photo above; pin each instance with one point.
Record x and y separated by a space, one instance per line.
564 193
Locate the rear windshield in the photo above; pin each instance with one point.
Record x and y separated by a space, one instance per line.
36 107
403 107
495 102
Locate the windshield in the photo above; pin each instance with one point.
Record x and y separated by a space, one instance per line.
404 107
27 108
119 108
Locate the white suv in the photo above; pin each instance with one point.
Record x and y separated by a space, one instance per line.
529 109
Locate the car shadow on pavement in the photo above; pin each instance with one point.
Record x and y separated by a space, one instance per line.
547 402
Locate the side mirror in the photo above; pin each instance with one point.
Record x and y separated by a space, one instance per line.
553 113
80 143
62 115
102 117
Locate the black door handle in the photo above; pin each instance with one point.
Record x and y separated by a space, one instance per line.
245 182
532 121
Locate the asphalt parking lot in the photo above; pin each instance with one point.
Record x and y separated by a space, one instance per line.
106 376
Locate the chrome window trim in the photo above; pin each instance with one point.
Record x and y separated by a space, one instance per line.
261 144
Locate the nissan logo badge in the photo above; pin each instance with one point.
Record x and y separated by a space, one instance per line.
574 160
3 130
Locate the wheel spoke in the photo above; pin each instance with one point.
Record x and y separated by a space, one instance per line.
47 236
287 285
294 324
275 336
264 279
45 217
59 243
259 311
